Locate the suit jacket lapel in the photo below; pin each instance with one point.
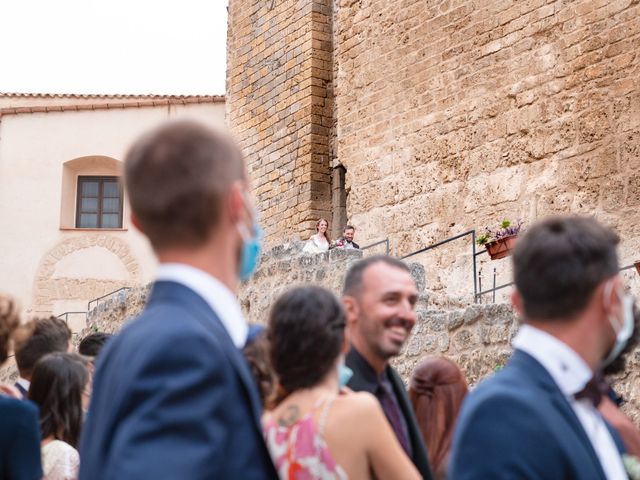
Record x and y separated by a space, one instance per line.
532 368
208 319
420 454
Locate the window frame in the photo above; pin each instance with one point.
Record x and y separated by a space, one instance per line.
101 179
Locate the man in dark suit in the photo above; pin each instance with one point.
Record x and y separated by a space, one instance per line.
173 397
346 240
537 418
379 297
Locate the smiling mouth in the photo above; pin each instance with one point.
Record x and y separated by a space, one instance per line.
397 334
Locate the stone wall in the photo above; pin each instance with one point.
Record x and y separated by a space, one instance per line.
522 107
477 337
279 107
451 115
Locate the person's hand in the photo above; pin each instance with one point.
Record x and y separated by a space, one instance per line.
10 391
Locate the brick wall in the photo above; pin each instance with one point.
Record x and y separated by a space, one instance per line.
279 107
447 115
452 115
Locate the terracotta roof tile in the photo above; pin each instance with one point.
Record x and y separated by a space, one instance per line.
104 96
135 101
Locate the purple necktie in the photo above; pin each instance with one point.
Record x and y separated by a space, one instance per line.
393 414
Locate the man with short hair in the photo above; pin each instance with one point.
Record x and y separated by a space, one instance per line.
346 241
91 345
35 339
173 397
537 417
379 297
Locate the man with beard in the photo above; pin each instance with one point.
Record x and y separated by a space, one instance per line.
380 296
537 419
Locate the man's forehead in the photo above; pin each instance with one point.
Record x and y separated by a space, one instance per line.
383 277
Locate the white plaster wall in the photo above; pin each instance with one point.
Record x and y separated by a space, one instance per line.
33 149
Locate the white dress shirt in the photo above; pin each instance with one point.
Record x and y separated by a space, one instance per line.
215 293
24 383
571 374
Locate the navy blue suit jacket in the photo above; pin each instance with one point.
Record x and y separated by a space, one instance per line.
19 440
519 425
174 399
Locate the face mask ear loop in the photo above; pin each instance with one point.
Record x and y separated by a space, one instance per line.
607 293
242 230
608 288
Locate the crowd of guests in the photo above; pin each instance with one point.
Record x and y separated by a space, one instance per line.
188 390
43 412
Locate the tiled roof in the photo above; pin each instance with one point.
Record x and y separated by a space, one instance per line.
104 102
102 96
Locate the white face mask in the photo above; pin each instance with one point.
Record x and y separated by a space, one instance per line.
623 327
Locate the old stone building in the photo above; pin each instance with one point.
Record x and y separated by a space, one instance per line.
418 120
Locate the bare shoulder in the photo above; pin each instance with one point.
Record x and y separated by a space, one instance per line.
358 404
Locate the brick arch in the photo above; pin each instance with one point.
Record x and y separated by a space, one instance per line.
47 289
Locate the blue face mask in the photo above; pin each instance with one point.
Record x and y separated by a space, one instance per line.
623 328
344 374
250 253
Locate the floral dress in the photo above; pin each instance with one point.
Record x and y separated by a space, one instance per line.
299 450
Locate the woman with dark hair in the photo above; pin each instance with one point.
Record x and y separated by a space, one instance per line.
19 433
58 385
320 241
312 431
436 390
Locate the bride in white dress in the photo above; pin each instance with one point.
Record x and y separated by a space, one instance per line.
319 242
60 386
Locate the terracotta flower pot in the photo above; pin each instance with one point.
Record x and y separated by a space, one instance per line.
501 248
637 265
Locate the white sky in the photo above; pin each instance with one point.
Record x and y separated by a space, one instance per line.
113 46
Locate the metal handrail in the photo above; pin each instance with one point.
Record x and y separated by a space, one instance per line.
509 284
380 242
474 254
66 315
96 300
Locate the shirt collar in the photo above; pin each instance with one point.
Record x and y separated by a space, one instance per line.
221 300
24 383
370 378
568 370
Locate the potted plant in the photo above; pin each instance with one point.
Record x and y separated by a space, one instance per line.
500 242
637 265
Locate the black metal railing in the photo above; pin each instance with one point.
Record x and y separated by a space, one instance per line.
474 254
97 300
375 244
65 316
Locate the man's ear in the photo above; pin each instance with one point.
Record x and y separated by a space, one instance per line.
351 308
235 202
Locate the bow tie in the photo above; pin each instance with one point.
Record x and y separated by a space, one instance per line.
592 391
